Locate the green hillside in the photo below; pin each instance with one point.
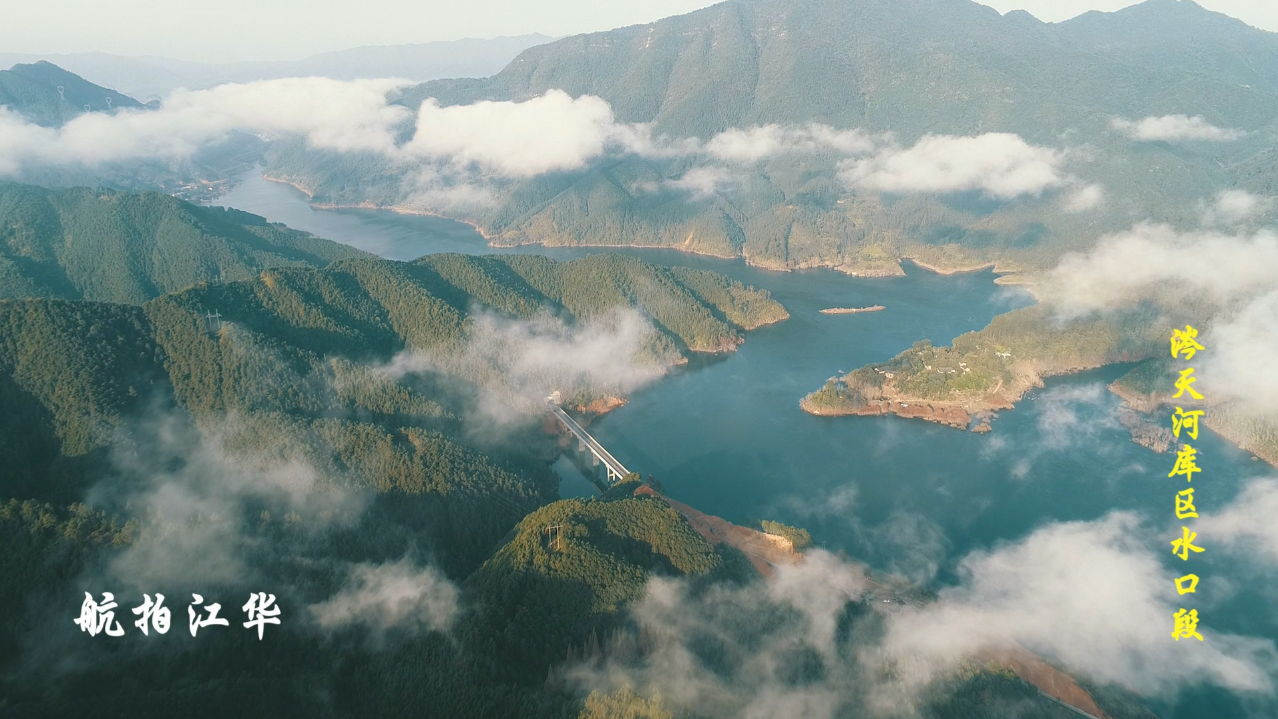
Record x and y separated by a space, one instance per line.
71 375
910 68
113 246
877 64
291 357
103 400
1169 35
150 414
1148 386
50 96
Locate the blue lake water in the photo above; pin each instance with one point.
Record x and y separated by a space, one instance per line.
727 436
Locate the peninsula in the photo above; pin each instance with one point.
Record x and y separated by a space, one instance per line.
964 385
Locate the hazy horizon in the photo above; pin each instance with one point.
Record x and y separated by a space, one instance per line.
219 34
155 56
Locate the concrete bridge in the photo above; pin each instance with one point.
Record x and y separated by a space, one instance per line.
614 470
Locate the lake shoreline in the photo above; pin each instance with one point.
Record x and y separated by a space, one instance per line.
841 266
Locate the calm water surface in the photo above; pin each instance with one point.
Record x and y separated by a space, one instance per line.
727 436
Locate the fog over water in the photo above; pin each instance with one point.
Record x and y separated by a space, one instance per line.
726 435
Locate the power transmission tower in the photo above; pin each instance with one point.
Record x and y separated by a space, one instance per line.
213 320
553 533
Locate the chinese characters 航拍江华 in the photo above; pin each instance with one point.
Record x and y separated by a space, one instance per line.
99 616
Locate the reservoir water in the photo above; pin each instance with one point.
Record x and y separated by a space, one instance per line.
727 436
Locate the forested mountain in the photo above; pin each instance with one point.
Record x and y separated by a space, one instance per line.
311 431
1175 36
123 247
309 453
296 344
49 96
909 66
913 68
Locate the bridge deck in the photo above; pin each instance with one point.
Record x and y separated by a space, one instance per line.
615 468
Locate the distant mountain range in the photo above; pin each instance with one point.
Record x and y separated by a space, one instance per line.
151 77
49 95
909 67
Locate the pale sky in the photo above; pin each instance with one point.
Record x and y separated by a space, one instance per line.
230 30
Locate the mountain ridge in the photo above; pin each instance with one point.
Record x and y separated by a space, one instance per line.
50 96
113 246
915 69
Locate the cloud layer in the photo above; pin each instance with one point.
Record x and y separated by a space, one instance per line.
1125 266
761 142
194 494
1090 596
1249 521
339 115
1172 128
386 596
459 153
549 133
1230 279
1001 165
518 363
1232 207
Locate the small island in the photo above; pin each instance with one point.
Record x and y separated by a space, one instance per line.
850 310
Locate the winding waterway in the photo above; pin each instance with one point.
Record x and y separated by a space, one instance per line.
728 437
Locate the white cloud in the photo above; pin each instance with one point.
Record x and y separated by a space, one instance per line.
759 142
757 631
1231 278
1232 207
19 140
1126 266
398 595
1170 128
332 114
521 139
440 189
1240 365
1060 425
191 488
1087 197
517 363
1089 595
1001 165
1248 522
702 182
491 139
1092 597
